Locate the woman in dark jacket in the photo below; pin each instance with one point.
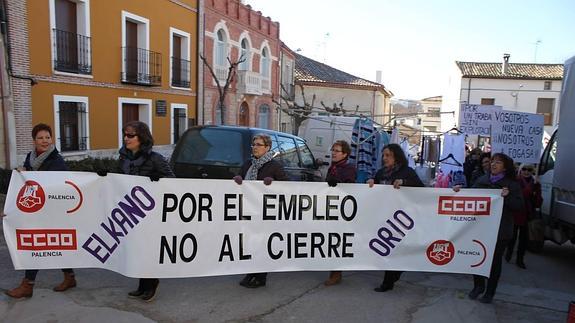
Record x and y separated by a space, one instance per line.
395 172
340 171
260 167
502 177
137 158
44 157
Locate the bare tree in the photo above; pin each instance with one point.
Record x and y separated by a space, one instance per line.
297 112
223 89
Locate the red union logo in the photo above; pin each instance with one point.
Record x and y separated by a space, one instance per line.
31 197
46 239
464 205
440 252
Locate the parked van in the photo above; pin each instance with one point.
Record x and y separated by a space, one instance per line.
320 132
218 152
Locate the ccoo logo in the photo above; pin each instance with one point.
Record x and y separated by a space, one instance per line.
464 205
31 197
440 252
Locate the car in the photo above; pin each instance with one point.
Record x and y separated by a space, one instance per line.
218 152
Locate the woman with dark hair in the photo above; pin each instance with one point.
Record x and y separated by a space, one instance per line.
502 176
340 171
395 172
261 166
137 158
44 157
482 169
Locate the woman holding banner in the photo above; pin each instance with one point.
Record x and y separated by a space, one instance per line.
340 171
137 158
502 177
260 167
395 172
44 157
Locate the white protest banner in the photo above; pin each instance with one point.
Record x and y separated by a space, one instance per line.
193 227
476 119
518 135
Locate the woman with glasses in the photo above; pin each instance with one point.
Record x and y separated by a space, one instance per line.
137 158
340 171
396 172
502 176
532 199
261 166
44 157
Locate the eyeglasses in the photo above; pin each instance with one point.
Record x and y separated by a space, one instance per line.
527 169
336 151
130 135
258 145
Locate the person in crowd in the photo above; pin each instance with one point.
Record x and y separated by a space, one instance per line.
501 176
261 166
532 199
483 168
137 158
395 172
340 171
472 162
44 157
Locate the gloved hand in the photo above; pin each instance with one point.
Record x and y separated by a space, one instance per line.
238 179
102 172
268 180
332 182
154 178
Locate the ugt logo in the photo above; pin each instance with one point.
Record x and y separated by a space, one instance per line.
440 252
31 197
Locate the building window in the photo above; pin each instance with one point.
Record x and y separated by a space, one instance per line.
180 58
245 55
71 123
434 112
179 121
265 70
487 101
130 109
71 42
545 107
264 117
139 64
547 85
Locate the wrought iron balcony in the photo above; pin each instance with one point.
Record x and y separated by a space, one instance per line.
72 52
249 83
180 72
141 66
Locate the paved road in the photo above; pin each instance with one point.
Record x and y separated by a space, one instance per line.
539 294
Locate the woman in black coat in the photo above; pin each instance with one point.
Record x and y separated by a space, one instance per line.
44 157
502 177
260 167
395 172
137 158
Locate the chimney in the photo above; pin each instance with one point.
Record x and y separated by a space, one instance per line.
378 76
505 65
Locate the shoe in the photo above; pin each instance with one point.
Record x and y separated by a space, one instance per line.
475 292
334 278
25 290
521 264
508 255
253 282
244 282
383 288
486 299
136 293
149 294
69 282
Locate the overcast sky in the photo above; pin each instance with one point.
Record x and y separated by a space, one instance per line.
415 42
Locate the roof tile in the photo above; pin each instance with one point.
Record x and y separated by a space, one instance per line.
514 71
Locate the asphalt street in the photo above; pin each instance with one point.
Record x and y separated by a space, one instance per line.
539 294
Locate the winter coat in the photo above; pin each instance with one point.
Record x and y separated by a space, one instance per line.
54 162
341 172
271 169
150 164
405 173
512 202
532 199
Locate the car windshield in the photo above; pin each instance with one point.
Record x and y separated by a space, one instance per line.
212 146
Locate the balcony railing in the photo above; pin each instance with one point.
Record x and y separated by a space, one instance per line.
221 73
249 82
180 72
266 88
141 66
72 52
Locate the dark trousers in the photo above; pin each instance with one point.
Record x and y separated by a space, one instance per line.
521 231
31 274
391 277
493 280
146 284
